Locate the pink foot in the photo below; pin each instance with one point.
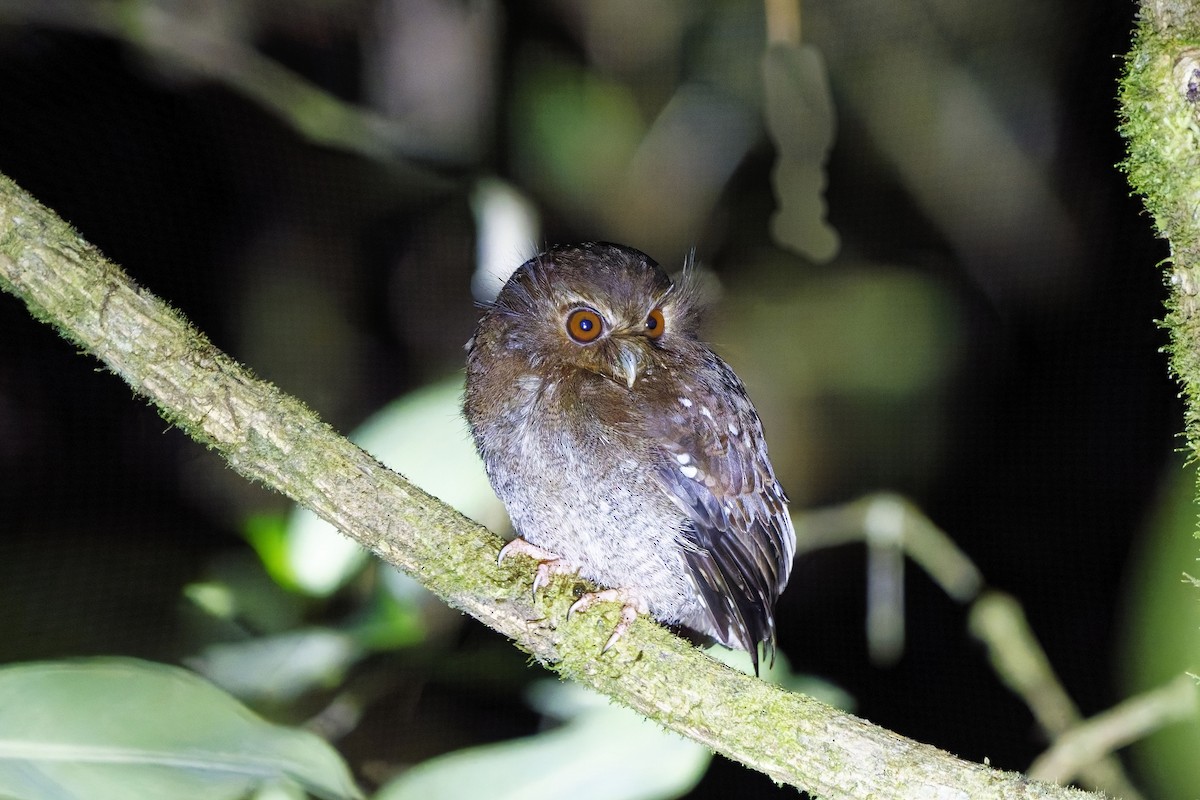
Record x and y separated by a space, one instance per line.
549 564
632 605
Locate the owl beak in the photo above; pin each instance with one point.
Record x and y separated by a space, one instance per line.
629 361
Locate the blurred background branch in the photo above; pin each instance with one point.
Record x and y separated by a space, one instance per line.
207 43
893 529
1086 748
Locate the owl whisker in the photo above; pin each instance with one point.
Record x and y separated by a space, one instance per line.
662 298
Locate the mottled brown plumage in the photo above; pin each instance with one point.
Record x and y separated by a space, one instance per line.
625 449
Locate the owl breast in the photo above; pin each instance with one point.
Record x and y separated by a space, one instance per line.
576 481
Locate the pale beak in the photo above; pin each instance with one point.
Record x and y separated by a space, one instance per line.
629 361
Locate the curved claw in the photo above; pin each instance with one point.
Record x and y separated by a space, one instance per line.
628 615
521 547
542 576
632 605
549 564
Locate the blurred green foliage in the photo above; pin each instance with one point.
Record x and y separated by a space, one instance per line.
1162 618
120 728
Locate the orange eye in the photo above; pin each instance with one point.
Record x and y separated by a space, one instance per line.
655 324
584 325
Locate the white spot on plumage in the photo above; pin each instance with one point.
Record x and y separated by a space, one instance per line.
704 412
689 472
683 458
686 403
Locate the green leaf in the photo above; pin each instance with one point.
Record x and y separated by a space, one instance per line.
268 535
121 728
424 437
279 668
603 753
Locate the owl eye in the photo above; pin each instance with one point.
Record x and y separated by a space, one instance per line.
655 324
584 325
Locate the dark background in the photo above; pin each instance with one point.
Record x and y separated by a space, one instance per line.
1037 439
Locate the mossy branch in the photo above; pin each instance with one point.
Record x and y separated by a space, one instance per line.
272 438
1160 119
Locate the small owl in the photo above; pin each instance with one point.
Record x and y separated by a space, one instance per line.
625 450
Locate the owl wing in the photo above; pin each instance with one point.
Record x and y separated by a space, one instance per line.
739 541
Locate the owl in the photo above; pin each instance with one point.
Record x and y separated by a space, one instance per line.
626 450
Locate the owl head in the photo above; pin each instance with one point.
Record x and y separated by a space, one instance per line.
601 307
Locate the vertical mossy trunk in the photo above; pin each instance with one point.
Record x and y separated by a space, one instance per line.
1160 120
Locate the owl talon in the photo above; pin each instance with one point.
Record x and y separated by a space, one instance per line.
628 615
542 576
521 547
632 605
549 564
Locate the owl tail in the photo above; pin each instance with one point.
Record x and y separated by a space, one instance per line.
733 615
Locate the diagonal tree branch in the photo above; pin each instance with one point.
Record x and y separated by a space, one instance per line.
272 438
